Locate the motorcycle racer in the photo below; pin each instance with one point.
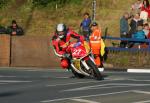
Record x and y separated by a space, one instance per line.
61 40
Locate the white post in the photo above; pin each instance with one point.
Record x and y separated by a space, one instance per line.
94 10
56 6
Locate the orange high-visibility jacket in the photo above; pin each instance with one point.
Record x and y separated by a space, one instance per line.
95 39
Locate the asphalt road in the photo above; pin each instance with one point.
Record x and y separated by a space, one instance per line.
58 86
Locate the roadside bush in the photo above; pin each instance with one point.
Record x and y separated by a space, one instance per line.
3 3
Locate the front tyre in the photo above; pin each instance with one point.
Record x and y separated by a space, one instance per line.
94 70
77 74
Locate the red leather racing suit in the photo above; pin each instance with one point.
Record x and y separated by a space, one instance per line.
60 45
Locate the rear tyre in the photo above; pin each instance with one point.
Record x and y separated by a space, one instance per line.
94 70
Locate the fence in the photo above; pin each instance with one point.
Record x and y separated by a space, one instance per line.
128 40
128 57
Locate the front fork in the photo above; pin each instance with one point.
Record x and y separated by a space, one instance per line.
84 62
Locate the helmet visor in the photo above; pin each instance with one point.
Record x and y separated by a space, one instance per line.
60 33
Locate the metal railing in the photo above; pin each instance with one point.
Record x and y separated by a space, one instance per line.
147 41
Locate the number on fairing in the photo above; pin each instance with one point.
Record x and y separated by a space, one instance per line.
77 51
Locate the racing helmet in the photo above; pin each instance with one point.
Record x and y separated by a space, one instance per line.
61 30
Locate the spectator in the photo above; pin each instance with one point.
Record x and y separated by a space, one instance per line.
135 22
148 37
146 7
2 30
124 28
136 7
85 26
146 29
144 15
145 10
14 29
140 34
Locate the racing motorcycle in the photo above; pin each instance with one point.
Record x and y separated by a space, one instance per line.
82 62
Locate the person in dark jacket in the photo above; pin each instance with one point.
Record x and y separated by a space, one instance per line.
138 35
14 29
2 30
124 28
135 22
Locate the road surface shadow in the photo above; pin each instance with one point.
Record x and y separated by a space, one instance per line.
7 94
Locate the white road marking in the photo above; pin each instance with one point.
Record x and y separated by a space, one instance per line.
42 70
71 83
12 81
139 80
61 77
32 70
112 85
142 92
7 76
138 70
148 101
87 96
87 87
113 79
82 82
84 101
3 83
70 90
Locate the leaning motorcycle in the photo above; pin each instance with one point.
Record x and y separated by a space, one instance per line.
82 62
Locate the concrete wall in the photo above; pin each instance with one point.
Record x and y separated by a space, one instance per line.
4 50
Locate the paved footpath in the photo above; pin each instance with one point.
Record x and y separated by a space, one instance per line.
30 85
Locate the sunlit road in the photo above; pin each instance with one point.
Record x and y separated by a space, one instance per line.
58 86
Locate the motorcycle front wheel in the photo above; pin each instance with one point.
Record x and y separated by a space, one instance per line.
94 70
77 75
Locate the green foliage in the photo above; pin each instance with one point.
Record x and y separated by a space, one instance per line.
42 17
45 3
126 59
3 3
